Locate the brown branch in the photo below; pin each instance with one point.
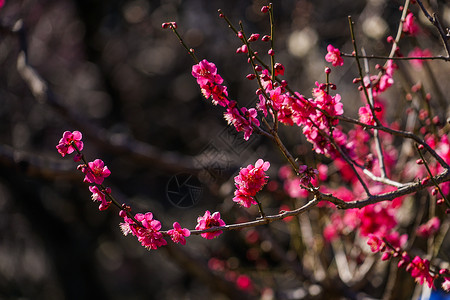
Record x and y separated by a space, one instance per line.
435 21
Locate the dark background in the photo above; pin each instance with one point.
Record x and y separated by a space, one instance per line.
116 75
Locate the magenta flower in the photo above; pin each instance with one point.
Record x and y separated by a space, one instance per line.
243 120
206 72
210 221
67 142
307 174
417 52
218 92
98 195
334 56
149 235
376 244
250 181
410 26
177 233
243 200
446 284
420 270
429 228
95 172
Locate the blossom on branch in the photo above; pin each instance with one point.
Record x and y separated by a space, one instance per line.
420 270
410 26
250 181
148 234
210 221
95 171
177 234
98 195
334 56
67 142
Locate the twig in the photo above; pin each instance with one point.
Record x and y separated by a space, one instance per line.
439 57
266 220
435 21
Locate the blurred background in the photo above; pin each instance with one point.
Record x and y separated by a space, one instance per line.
114 74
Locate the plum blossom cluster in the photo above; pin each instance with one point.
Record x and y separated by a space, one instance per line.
95 171
249 182
418 267
208 221
143 226
210 83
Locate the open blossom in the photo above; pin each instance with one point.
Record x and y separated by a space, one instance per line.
420 270
210 221
149 235
365 114
177 234
375 243
307 174
429 228
95 172
446 284
417 52
243 120
98 195
410 26
334 56
67 141
250 181
206 72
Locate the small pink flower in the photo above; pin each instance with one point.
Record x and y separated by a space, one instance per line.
250 181
210 221
243 120
149 235
410 26
376 244
307 174
429 228
244 283
417 52
243 200
446 284
420 270
67 141
334 56
96 172
206 72
98 195
177 233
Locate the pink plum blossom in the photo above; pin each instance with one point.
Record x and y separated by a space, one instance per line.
429 228
210 221
334 56
148 234
98 195
417 52
95 172
178 234
250 181
67 142
410 26
206 72
420 270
